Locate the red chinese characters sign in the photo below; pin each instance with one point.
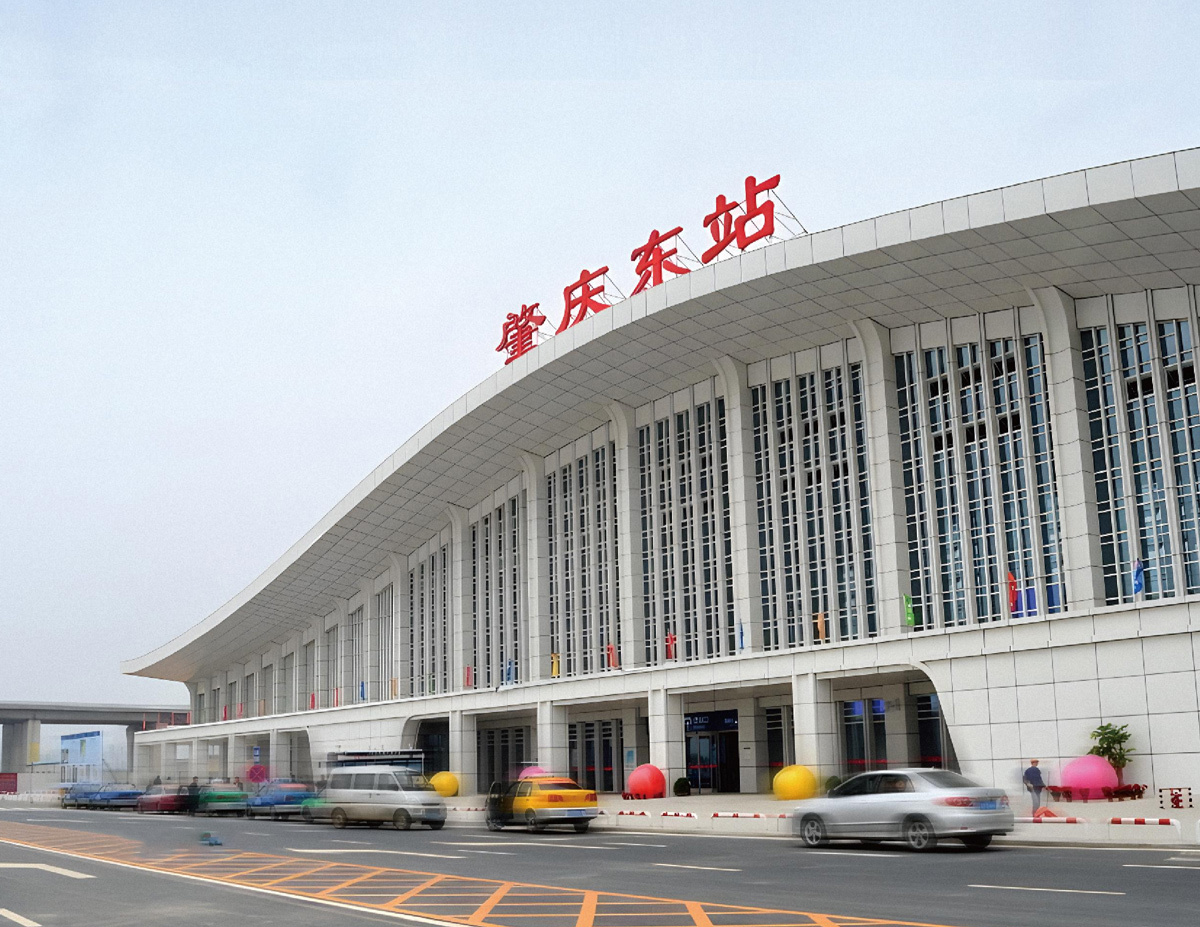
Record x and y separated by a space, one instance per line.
740 223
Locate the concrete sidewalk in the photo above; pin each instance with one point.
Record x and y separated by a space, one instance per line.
763 815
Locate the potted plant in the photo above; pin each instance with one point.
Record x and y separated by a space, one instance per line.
1111 740
682 787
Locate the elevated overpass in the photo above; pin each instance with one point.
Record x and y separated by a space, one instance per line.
21 724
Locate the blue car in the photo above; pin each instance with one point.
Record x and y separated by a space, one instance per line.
79 795
115 795
279 798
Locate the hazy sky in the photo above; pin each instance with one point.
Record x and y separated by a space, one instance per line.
247 249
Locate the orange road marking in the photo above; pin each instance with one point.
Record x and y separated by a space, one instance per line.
481 913
491 902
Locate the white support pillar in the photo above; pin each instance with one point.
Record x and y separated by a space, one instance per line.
232 761
458 596
537 565
752 747
195 767
1075 479
886 476
740 435
274 767
464 760
552 737
667 748
629 560
814 722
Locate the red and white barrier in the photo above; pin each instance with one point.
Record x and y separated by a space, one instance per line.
635 814
466 809
677 814
746 814
1051 820
1152 822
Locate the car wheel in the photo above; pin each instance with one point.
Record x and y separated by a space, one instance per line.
494 825
581 826
436 825
919 835
977 841
338 818
812 832
402 820
531 823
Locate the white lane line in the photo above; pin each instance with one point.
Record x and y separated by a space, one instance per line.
472 843
255 833
361 843
69 873
705 868
1149 866
491 852
386 852
1028 888
57 821
853 853
660 845
17 919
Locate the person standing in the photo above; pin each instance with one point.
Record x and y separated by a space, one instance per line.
193 793
1034 784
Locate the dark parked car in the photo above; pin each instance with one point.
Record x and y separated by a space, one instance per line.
115 795
163 799
80 794
278 798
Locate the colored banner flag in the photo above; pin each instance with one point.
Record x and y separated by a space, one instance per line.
669 640
1012 594
468 677
362 691
508 671
611 650
312 701
910 617
1139 577
555 666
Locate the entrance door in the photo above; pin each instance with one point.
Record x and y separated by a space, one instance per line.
712 759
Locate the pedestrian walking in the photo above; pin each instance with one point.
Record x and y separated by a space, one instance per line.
193 793
1034 784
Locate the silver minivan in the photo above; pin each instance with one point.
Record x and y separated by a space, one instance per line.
378 794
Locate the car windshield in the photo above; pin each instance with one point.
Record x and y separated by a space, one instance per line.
557 785
944 779
413 781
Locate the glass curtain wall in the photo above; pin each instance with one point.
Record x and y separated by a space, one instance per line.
977 457
816 568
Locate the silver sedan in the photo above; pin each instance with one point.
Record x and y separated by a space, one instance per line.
918 806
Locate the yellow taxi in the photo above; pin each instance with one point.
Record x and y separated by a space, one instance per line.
539 801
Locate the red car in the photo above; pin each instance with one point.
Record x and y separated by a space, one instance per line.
163 798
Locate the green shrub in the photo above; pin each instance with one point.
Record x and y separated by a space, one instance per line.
682 787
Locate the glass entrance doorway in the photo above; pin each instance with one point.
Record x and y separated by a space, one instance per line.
712 751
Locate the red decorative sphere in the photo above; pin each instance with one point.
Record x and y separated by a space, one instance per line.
647 782
1089 776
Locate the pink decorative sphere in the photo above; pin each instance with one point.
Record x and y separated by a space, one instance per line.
531 771
1090 775
647 782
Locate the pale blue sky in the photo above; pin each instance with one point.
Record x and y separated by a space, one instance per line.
247 249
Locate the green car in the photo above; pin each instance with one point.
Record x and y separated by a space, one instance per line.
221 798
308 808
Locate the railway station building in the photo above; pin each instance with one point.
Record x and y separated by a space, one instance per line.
920 490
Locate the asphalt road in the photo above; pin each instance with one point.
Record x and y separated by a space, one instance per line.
1007 886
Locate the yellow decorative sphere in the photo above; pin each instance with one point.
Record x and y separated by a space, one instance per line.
794 783
445 784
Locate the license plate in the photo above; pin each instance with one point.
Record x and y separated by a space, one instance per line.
987 806
575 812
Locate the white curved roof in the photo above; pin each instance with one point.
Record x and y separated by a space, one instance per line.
1119 228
